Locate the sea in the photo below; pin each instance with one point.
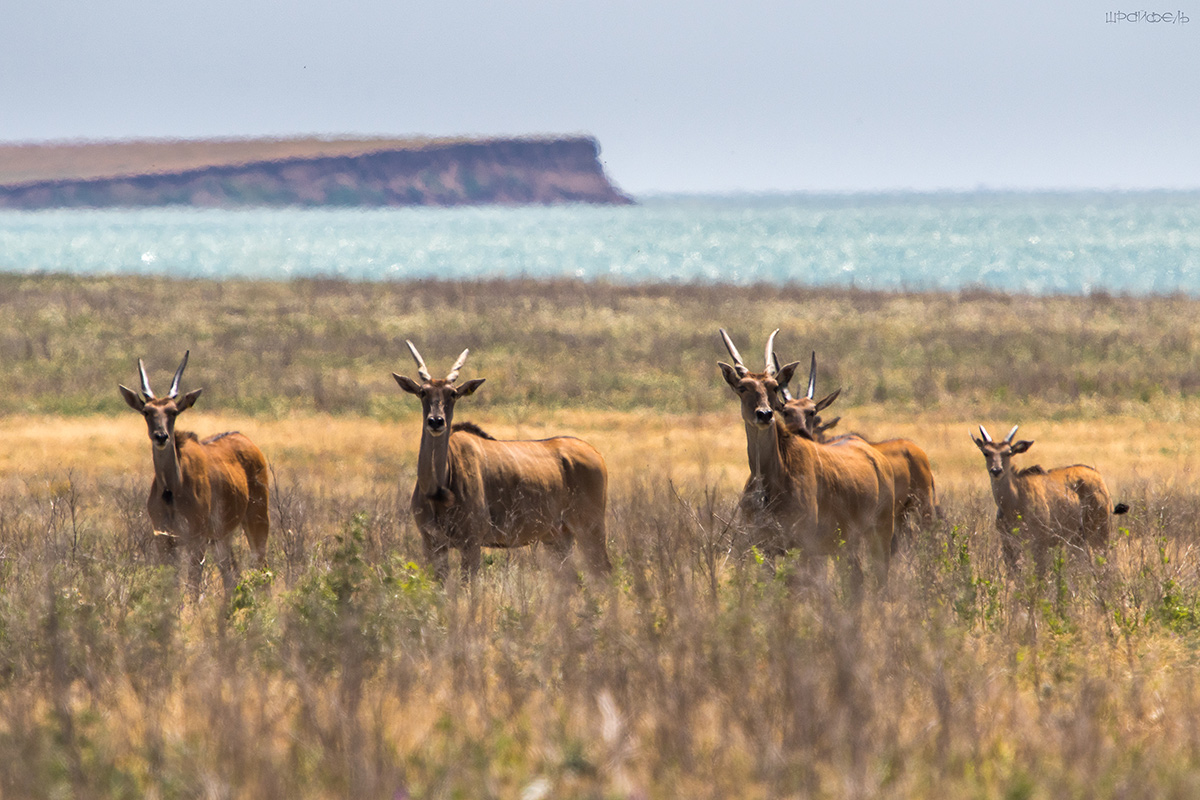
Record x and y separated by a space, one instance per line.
1134 243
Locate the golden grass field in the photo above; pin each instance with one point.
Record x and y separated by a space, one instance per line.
692 671
699 449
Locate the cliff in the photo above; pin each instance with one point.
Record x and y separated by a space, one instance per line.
305 172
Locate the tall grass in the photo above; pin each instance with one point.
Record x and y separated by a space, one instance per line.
695 670
347 671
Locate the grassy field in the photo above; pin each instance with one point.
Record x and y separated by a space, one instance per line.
693 671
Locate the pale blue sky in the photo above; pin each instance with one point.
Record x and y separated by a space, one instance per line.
756 95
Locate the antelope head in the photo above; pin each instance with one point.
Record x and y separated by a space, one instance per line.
756 389
802 414
998 455
438 395
160 412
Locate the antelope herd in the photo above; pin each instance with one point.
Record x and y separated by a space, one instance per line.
802 494
806 491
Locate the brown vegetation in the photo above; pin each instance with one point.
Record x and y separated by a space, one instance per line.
688 672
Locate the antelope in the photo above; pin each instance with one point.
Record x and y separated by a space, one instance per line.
1041 507
911 471
802 493
203 490
474 491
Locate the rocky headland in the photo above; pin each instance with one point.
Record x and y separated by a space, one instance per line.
305 172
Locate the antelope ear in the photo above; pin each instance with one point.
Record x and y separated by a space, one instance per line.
407 384
978 442
1021 445
469 387
731 374
824 402
188 400
132 399
784 375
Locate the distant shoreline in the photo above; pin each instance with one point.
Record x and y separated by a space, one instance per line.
354 173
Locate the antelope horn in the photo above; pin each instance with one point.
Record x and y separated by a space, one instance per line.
149 395
986 436
1011 434
178 374
812 376
771 368
783 390
738 364
457 366
422 370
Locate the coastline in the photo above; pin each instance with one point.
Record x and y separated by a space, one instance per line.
305 173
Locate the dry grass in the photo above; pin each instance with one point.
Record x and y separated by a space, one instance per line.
693 671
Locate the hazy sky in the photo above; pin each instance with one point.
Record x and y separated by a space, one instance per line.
684 96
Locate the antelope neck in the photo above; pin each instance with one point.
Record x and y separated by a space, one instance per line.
1004 490
762 450
166 467
433 463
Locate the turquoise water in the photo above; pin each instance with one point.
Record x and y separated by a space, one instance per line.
1143 243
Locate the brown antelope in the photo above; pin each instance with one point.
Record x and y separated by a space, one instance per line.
916 498
801 493
202 490
475 491
1039 507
